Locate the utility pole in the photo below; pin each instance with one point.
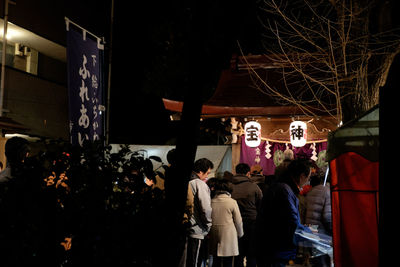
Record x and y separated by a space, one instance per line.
107 124
3 55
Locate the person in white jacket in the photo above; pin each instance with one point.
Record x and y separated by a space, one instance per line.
227 226
200 219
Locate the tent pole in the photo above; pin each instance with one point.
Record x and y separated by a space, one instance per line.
326 175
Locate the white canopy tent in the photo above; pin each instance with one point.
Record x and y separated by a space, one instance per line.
220 156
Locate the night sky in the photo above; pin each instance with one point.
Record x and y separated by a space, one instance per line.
154 44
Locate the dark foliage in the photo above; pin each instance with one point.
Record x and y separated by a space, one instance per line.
95 197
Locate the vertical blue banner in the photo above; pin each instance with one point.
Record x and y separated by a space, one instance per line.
85 92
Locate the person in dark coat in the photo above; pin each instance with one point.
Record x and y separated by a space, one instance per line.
259 178
13 207
26 237
248 196
16 150
281 168
279 218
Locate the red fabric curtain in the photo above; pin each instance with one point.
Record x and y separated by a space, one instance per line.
355 214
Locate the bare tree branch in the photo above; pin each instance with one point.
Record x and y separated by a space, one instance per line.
328 58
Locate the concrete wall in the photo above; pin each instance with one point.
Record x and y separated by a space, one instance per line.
39 105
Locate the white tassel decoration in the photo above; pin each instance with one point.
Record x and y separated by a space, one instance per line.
268 151
314 152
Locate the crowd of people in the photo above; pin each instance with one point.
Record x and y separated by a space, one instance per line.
235 220
249 219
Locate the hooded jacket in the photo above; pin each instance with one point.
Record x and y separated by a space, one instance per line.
248 196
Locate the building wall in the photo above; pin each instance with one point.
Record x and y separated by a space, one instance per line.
52 69
38 104
40 101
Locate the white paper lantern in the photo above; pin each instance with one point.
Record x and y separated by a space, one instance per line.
252 131
298 133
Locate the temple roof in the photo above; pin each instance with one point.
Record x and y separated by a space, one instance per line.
238 92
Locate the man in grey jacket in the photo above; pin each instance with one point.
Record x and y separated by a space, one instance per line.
200 220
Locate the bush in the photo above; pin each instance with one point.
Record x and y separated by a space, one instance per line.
82 205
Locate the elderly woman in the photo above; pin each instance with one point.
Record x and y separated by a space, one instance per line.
226 226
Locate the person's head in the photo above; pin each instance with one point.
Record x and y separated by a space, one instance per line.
286 162
317 178
242 169
202 167
288 154
228 175
16 150
270 179
299 170
211 184
171 156
222 185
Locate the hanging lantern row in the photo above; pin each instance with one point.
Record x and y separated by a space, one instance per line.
297 130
